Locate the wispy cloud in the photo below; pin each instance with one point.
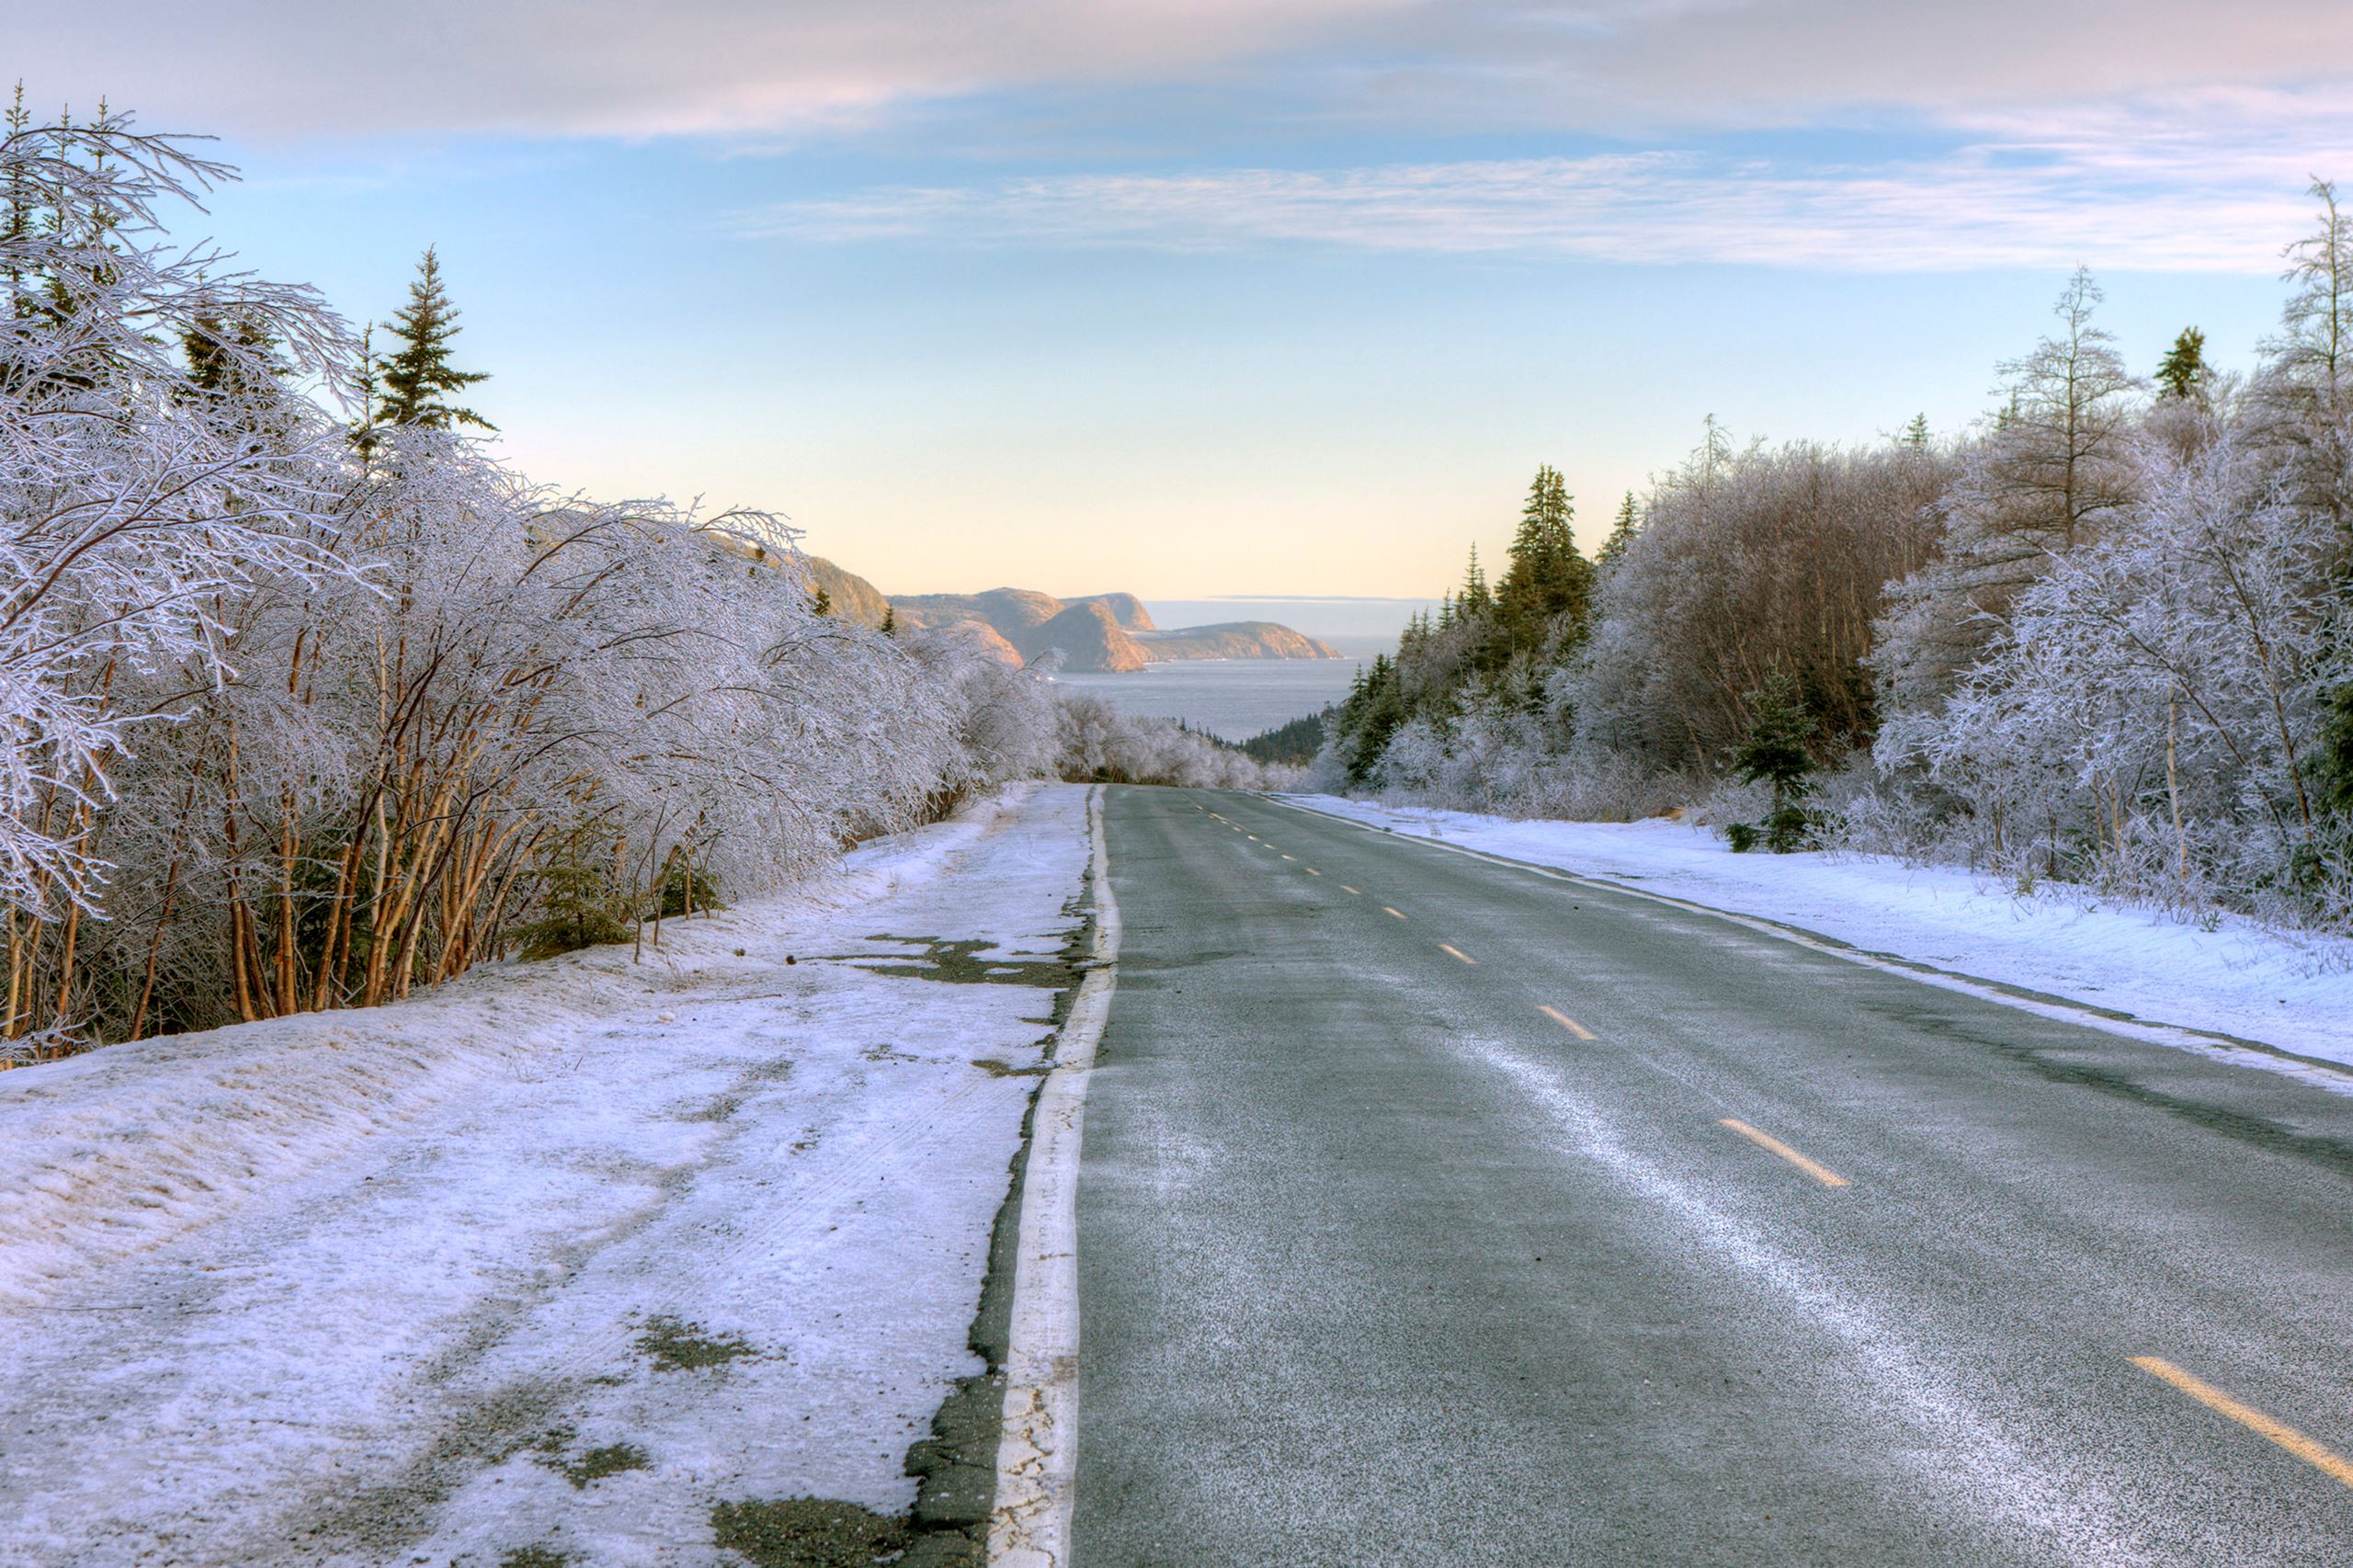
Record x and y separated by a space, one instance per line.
292 69
2212 181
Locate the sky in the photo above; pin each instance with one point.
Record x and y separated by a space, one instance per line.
1207 298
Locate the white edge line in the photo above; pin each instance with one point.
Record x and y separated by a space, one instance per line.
2330 1078
1037 1455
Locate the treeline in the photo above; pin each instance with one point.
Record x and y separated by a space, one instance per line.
1099 744
2102 637
306 701
1293 745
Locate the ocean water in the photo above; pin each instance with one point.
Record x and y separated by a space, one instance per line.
1234 699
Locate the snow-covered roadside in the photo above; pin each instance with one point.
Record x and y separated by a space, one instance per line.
2237 979
398 1285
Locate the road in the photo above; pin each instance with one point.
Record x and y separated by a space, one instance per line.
1438 1211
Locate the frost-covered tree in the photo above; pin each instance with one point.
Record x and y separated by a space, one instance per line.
2055 469
290 722
2307 388
2153 714
1770 561
2108 637
139 497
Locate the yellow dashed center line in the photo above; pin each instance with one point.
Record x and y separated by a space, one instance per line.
1565 1021
1457 953
1345 888
1313 872
1386 910
1291 857
1819 1173
2212 1398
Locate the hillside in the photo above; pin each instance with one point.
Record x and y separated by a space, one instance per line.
1096 633
1102 633
1013 612
1126 609
851 595
1234 640
1089 637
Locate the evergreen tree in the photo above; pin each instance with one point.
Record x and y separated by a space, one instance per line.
1915 435
419 377
1621 532
368 383
1475 598
2335 765
1777 752
1547 577
1377 709
890 621
2181 374
823 603
236 360
21 202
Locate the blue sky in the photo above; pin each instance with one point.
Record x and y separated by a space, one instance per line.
1195 299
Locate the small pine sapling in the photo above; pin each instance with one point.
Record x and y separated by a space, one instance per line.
1776 752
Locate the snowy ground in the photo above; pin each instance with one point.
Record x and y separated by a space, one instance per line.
395 1286
2236 980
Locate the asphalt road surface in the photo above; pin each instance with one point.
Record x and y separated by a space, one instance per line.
1435 1212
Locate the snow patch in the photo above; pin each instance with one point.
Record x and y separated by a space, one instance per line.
429 1280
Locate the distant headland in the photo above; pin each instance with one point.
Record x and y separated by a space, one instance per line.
1096 632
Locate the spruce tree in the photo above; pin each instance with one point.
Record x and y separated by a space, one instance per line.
823 603
1777 752
1547 577
236 358
21 201
1475 598
890 621
1381 708
370 386
1915 435
419 377
2181 374
1621 532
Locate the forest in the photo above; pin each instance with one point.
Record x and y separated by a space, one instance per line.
307 701
2099 639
